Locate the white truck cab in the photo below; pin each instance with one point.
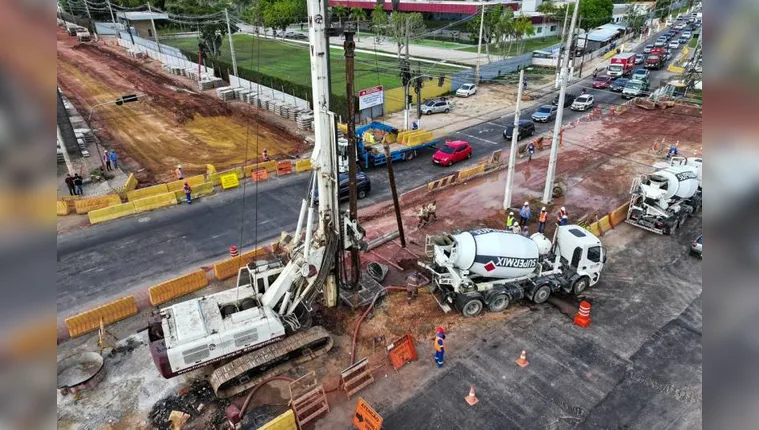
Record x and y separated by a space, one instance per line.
581 251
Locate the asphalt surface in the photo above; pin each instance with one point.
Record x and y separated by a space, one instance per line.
100 262
638 365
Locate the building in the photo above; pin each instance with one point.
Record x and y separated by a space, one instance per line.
621 10
140 22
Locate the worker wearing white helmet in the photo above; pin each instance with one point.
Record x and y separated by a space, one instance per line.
524 213
542 217
510 220
515 228
178 172
562 213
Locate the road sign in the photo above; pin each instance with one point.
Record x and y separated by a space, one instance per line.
371 97
229 180
366 418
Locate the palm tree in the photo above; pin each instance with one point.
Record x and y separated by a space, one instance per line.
523 27
340 12
357 14
505 30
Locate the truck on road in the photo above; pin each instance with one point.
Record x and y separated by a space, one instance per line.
654 62
621 65
370 149
660 202
493 268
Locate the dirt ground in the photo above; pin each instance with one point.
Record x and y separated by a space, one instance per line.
177 125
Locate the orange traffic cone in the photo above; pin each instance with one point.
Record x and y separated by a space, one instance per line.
471 398
522 360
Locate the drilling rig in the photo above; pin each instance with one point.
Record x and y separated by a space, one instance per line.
262 326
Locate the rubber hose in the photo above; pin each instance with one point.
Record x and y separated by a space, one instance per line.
361 319
253 392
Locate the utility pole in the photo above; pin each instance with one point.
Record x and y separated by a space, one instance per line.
231 43
479 46
394 191
155 32
584 48
113 19
349 48
514 144
547 192
418 91
561 45
406 90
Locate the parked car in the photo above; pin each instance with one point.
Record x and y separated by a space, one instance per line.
363 187
582 103
639 58
466 90
640 74
647 49
295 35
602 82
696 248
436 106
618 85
568 99
545 113
452 152
674 44
526 128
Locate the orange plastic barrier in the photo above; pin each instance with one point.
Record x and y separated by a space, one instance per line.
402 351
284 167
259 175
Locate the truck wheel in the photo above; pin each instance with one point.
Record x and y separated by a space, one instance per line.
541 294
471 308
580 285
498 303
410 155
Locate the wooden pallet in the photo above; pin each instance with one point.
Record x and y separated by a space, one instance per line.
356 377
308 399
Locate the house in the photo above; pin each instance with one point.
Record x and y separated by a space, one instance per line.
621 10
140 22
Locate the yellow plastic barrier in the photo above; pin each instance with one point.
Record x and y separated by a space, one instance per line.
603 224
131 183
215 178
141 193
609 54
619 215
111 212
177 287
467 173
286 421
675 69
210 169
109 313
593 228
302 166
61 208
226 269
179 185
270 166
90 204
203 189
154 202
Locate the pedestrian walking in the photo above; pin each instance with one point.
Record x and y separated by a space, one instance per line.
178 173
542 217
78 183
530 151
107 161
439 346
524 213
562 213
515 228
188 193
70 184
510 220
114 159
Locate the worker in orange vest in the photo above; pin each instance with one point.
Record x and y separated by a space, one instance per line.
562 214
542 217
178 173
439 346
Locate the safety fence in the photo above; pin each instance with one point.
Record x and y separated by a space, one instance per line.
677 66
106 314
228 268
177 287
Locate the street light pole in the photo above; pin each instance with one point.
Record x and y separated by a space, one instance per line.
155 32
514 144
479 46
231 44
561 45
547 192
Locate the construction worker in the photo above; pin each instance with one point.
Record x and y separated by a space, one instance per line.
413 282
266 155
530 151
564 220
524 213
423 216
562 213
439 346
525 231
515 228
510 220
542 217
178 173
188 192
431 209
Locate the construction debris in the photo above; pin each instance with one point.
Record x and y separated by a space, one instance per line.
187 405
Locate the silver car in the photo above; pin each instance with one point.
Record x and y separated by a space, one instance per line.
436 106
697 246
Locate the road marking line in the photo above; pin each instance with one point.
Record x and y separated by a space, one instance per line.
478 138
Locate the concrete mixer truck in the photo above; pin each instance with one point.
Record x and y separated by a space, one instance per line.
486 267
661 201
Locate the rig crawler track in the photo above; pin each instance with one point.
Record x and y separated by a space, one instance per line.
245 372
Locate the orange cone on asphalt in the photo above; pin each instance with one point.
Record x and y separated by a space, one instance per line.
471 398
522 360
583 315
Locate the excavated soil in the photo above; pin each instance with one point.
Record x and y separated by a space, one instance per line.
176 125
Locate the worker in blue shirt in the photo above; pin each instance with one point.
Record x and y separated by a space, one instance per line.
439 346
524 213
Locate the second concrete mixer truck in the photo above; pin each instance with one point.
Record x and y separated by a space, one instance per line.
486 267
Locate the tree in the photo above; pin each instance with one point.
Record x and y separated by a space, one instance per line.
661 8
490 28
594 13
634 18
357 14
280 14
402 26
554 13
523 27
340 12
504 31
379 20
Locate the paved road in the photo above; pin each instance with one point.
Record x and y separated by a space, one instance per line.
101 261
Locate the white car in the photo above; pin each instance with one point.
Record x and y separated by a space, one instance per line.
674 44
687 34
584 102
466 90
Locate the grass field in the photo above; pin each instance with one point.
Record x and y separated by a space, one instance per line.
290 61
529 46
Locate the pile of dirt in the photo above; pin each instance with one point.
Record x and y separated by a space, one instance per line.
197 400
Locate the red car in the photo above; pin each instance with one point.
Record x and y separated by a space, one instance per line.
452 152
602 82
